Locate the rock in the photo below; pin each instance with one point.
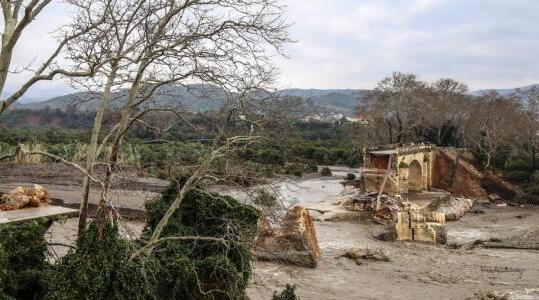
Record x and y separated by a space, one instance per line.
24 197
453 208
495 199
359 255
293 242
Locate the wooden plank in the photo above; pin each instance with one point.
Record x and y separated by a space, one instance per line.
26 214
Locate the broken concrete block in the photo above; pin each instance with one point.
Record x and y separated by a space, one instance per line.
417 226
293 242
453 208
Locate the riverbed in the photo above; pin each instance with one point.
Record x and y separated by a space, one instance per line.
415 270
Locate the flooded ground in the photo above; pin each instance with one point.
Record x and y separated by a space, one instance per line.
416 270
308 190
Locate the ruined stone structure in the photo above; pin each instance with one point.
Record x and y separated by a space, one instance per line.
408 168
421 226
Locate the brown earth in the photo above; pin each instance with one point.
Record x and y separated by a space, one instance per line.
456 175
416 270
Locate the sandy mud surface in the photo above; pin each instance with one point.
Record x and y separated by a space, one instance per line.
415 270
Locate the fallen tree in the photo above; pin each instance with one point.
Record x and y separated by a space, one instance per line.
204 252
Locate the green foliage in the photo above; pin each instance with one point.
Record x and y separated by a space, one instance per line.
289 293
222 270
100 269
350 176
325 171
3 271
297 169
23 266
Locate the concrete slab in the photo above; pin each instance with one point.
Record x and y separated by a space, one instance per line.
26 214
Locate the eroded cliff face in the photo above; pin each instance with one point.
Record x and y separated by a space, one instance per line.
457 176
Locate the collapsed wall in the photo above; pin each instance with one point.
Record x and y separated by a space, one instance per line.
421 226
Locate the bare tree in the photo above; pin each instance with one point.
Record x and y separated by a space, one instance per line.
223 42
492 124
530 122
445 109
18 15
396 105
113 42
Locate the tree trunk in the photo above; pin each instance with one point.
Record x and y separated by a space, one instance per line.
91 155
6 54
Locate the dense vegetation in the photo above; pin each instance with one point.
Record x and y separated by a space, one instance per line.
103 265
303 146
500 130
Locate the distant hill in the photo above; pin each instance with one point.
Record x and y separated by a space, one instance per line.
201 98
509 91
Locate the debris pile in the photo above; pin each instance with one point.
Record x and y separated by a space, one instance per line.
389 206
22 197
293 242
360 255
496 200
453 208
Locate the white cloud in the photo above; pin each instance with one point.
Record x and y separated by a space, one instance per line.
355 43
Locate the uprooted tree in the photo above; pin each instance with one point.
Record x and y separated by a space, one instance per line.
196 245
154 44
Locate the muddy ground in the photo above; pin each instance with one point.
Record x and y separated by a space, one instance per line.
416 270
64 184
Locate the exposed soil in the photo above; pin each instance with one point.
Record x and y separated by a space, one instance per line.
415 270
64 184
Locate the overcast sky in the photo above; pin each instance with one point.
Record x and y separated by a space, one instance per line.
355 43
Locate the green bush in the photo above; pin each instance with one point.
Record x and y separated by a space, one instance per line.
222 270
325 171
100 269
289 293
23 266
350 176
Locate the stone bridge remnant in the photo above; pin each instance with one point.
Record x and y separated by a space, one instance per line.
403 169
399 169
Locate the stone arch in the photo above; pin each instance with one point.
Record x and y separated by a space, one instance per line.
415 177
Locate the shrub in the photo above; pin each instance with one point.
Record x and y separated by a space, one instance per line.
289 293
221 270
100 269
325 171
22 260
350 176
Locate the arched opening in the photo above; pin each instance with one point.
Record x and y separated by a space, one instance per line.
415 177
